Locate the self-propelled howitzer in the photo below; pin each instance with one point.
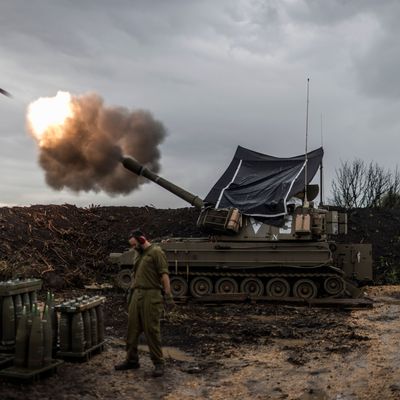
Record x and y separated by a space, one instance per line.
292 257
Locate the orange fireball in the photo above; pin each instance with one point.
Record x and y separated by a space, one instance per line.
47 115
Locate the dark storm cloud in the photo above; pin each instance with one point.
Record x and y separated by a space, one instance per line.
376 59
325 13
378 67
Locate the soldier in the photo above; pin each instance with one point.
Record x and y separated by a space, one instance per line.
146 302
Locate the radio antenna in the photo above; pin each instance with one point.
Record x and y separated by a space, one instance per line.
321 172
322 136
306 155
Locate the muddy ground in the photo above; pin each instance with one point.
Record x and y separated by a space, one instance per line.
218 352
244 351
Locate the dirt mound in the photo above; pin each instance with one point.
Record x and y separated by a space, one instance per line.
69 246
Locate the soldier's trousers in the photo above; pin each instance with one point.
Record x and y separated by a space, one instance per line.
144 315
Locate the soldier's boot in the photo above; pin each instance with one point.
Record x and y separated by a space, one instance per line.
127 365
158 370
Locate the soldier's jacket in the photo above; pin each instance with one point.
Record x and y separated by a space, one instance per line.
148 268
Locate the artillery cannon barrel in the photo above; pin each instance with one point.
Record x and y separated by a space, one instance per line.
139 169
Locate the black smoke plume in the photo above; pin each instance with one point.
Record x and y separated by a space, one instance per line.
86 156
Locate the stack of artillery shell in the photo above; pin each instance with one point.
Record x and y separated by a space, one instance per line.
81 326
14 295
33 347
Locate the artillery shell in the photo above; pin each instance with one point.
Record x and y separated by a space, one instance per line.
17 304
100 323
93 326
8 320
17 309
53 318
47 336
65 332
88 330
77 333
26 301
33 297
22 340
35 352
1 317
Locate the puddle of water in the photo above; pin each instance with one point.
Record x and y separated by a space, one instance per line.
171 352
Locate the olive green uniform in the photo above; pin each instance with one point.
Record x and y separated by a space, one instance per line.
146 304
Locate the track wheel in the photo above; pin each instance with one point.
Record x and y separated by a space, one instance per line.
201 286
305 289
124 279
252 286
278 287
226 285
334 285
179 286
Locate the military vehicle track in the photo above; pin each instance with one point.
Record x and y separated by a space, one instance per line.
298 285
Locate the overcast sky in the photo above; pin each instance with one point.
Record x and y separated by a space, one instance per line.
216 73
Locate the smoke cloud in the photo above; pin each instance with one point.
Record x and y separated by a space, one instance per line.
83 153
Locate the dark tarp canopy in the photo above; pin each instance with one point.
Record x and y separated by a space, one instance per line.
260 185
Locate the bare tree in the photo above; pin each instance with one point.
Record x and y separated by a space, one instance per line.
391 199
349 186
360 185
377 183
